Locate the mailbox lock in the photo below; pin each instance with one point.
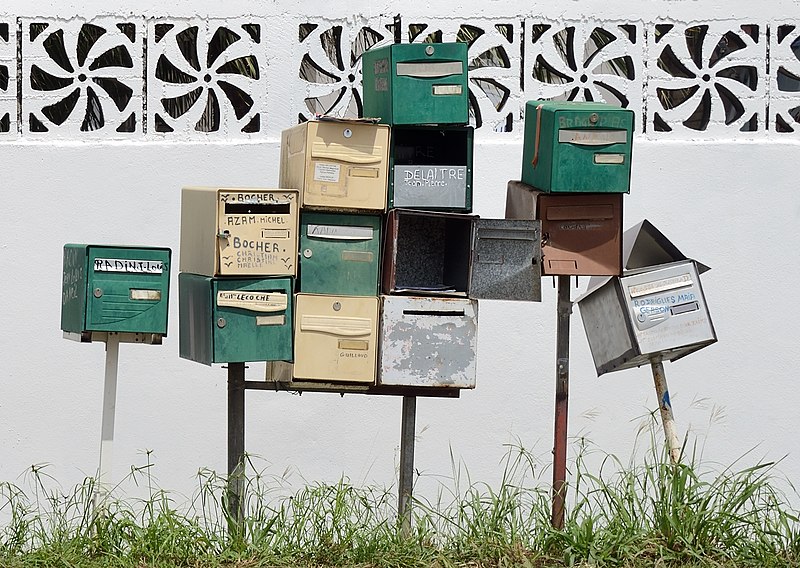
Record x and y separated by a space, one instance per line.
307 253
221 322
347 133
98 292
337 306
593 118
429 50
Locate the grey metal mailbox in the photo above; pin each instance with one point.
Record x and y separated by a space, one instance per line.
506 260
428 342
652 312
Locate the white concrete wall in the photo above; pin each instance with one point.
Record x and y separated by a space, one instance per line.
726 197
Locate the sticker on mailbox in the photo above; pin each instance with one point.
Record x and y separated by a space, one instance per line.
128 266
339 232
253 301
430 186
325 171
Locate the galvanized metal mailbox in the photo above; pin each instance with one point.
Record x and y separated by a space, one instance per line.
339 254
577 147
656 312
337 164
335 338
239 232
427 252
416 83
581 233
428 342
121 289
233 320
506 260
431 167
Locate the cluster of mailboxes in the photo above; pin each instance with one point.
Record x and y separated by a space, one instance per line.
368 270
576 164
115 289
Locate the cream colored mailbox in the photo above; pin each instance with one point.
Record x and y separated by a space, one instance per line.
340 165
239 232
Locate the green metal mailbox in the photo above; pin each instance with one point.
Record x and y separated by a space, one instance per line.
578 147
121 289
430 167
234 320
416 83
339 254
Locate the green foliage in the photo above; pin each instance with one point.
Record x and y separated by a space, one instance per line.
643 514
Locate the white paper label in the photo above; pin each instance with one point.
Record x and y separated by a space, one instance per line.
130 266
253 301
325 171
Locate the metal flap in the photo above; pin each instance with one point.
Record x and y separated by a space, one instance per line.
336 325
340 232
592 136
432 69
580 212
349 154
644 245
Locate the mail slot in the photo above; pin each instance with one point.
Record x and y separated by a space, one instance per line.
114 289
239 232
428 342
506 260
335 338
339 254
336 164
427 253
581 233
577 147
431 168
651 313
416 83
227 320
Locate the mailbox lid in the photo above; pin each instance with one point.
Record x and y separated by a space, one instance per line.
581 233
667 309
422 83
506 262
431 168
340 254
257 232
577 147
338 164
335 338
428 342
427 253
127 289
252 319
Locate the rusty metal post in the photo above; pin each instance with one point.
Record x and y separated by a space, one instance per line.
406 484
236 389
667 418
564 309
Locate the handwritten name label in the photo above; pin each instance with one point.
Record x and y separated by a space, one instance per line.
128 266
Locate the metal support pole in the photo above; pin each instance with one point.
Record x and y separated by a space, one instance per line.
667 419
407 429
564 309
103 486
236 441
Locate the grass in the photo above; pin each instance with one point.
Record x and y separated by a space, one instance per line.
648 513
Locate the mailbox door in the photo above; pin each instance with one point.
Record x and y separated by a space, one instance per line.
506 262
581 234
252 319
428 342
339 254
667 309
257 232
127 290
431 168
430 83
346 165
335 338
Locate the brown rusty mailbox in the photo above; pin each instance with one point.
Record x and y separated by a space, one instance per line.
581 232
